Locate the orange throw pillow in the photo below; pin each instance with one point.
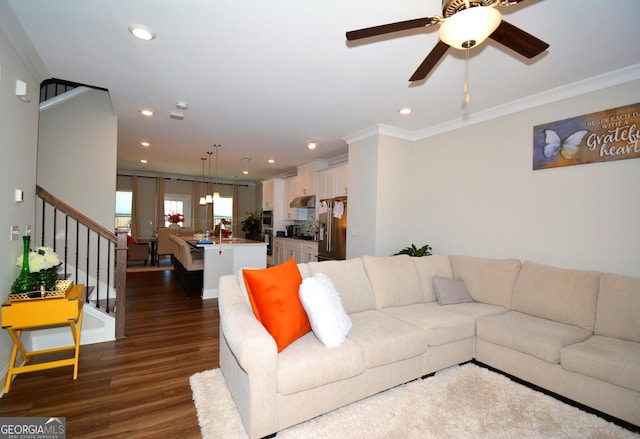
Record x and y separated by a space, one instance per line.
273 293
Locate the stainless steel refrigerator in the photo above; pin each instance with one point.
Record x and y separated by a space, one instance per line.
332 237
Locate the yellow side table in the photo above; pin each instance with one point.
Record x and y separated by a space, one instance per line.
43 313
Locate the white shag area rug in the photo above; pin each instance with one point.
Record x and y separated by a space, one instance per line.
459 402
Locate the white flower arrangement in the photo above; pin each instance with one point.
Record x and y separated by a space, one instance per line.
42 258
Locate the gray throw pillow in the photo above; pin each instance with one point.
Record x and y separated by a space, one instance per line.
450 291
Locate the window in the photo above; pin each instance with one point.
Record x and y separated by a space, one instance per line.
223 208
123 209
177 204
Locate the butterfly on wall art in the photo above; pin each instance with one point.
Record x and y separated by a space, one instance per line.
566 148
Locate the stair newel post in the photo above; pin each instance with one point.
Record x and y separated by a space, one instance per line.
121 280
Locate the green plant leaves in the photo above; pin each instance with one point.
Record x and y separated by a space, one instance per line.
415 251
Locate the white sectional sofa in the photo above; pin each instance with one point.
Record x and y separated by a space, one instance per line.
575 333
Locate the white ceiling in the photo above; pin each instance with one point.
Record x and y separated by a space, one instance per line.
263 77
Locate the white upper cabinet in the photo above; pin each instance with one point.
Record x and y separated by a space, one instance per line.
291 191
325 184
332 182
307 177
342 180
267 195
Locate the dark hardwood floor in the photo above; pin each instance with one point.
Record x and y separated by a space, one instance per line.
137 387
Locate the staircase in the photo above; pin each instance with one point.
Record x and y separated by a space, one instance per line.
91 255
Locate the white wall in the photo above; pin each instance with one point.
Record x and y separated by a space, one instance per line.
18 144
77 152
480 196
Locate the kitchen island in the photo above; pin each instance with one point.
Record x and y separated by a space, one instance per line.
228 256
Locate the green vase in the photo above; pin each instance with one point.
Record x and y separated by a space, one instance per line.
24 282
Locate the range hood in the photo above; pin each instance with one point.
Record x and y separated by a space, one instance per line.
306 201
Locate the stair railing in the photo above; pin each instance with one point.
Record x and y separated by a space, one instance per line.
88 253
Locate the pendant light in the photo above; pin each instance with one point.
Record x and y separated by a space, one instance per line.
203 199
216 194
209 197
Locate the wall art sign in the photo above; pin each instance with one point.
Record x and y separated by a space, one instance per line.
597 137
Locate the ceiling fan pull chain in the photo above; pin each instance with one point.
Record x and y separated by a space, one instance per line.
467 96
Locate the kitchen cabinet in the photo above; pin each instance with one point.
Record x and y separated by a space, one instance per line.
309 252
278 251
307 177
341 180
291 191
273 199
332 182
267 194
293 250
299 250
325 184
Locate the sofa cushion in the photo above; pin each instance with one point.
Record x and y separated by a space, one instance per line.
307 364
394 280
273 293
351 282
475 309
385 340
564 295
535 336
488 280
605 358
440 326
450 291
618 311
329 322
427 268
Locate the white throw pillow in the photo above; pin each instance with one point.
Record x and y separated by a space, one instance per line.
329 321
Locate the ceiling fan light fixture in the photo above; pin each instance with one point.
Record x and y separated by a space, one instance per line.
469 27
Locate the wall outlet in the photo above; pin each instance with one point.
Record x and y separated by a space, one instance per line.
15 233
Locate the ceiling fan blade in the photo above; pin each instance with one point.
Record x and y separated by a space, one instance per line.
516 39
430 61
391 27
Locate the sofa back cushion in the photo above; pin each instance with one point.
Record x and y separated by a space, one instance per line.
394 280
618 310
350 280
559 294
427 267
488 280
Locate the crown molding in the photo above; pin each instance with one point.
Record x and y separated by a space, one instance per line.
606 80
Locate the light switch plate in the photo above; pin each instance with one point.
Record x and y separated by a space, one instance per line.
15 233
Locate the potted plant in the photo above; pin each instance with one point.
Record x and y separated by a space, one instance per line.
415 251
251 225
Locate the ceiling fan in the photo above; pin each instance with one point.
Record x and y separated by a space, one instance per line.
464 24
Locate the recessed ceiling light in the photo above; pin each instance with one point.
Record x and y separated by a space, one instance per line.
312 145
245 172
271 161
405 111
144 162
146 112
145 144
182 105
142 32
